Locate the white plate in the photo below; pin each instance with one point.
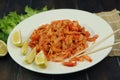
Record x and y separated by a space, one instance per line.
89 20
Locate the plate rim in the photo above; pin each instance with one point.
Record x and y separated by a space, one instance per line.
64 72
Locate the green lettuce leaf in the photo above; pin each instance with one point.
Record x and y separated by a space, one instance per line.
8 22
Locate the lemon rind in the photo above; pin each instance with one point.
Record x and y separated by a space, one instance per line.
5 53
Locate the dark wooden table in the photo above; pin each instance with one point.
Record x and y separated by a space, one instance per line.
107 69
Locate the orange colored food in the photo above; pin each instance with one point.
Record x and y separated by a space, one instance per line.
81 58
61 39
73 61
70 63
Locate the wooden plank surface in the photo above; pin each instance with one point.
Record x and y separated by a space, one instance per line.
108 69
89 5
64 4
108 5
3 6
8 68
72 76
24 74
17 6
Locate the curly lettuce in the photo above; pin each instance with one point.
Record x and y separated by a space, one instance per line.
8 22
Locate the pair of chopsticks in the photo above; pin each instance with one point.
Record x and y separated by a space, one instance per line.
86 51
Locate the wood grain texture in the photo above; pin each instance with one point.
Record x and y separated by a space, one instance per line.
64 4
108 69
3 7
89 5
17 6
108 5
8 68
38 4
24 74
72 76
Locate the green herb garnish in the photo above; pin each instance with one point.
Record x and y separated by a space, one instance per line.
8 22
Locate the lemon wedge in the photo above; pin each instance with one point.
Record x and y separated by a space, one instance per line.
29 58
3 48
41 60
17 39
24 48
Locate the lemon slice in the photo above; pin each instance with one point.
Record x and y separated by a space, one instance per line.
17 39
41 60
29 58
3 48
24 48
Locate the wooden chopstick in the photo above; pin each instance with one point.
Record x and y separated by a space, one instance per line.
99 49
95 44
